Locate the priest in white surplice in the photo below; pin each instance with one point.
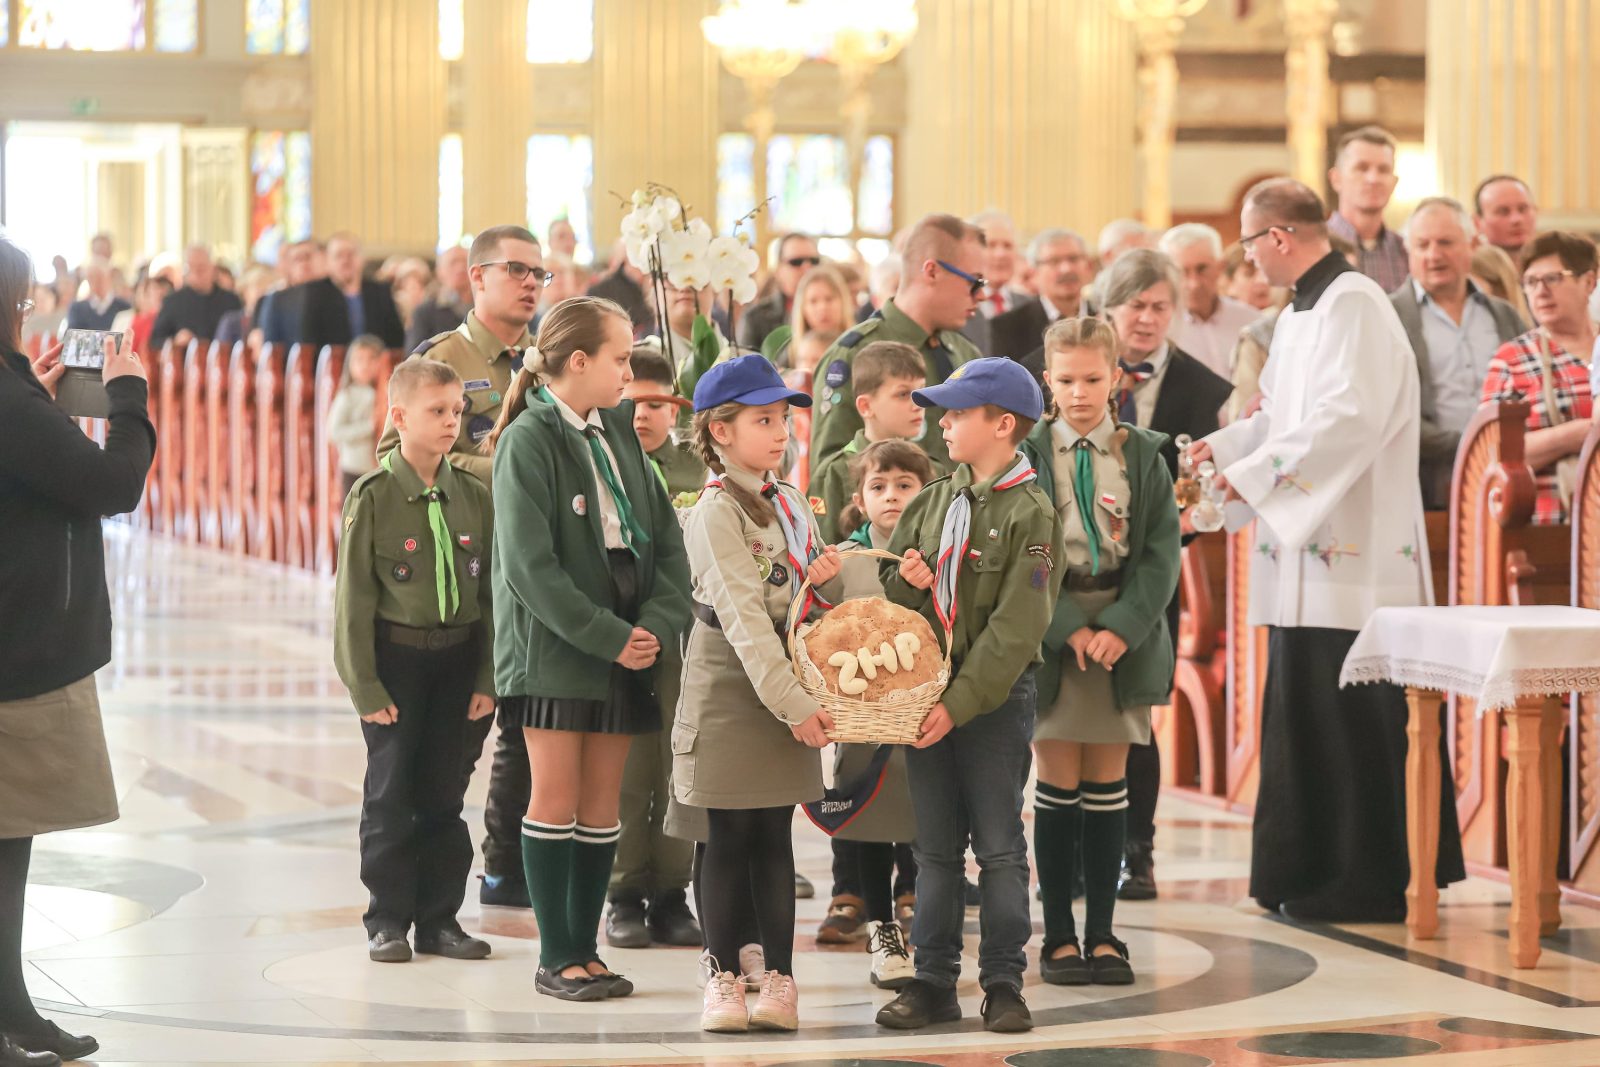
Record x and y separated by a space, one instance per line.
1328 468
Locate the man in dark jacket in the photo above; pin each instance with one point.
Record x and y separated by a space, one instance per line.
100 308
344 305
194 310
792 255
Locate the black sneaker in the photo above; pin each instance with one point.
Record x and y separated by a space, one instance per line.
1004 1010
625 924
920 1004
1108 969
670 921
452 943
1138 878
503 891
388 946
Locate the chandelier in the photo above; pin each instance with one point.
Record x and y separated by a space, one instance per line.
759 40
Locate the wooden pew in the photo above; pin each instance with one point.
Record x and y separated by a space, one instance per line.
214 499
196 472
1583 709
329 479
269 540
166 389
299 465
240 529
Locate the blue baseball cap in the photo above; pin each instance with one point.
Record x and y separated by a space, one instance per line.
995 380
750 380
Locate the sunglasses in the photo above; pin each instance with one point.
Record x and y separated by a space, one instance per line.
804 261
519 271
977 282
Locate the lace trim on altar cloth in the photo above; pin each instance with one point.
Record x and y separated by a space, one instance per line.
1491 693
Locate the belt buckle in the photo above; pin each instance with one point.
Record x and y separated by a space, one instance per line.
435 640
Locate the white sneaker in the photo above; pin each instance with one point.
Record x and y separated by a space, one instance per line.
724 1011
891 963
752 966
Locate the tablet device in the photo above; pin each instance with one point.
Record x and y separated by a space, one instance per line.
80 392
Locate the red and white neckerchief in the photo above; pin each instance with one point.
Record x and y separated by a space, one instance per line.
955 540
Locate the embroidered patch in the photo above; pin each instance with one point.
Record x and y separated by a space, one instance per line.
580 506
763 567
478 428
779 575
402 572
819 506
465 540
474 567
1283 476
955 374
476 383
1040 576
838 373
1043 552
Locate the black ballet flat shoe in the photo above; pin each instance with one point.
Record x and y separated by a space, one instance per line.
920 1004
1064 970
615 984
55 1040
1004 1010
453 943
12 1055
388 946
1108 970
552 984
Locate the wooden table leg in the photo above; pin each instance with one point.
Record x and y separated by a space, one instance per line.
1550 724
1422 810
1526 816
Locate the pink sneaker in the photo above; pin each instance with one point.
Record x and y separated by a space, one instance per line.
778 1007
724 1011
752 966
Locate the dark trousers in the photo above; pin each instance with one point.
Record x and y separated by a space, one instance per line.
510 786
415 848
967 790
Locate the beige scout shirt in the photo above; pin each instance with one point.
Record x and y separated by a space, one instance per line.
741 571
610 518
1111 496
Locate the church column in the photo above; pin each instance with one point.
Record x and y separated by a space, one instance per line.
378 109
1308 23
1025 105
1512 88
655 107
496 113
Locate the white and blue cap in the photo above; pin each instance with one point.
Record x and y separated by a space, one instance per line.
995 380
750 380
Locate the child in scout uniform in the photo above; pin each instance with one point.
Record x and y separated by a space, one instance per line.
591 584
744 744
866 851
413 644
1107 655
653 869
883 376
992 539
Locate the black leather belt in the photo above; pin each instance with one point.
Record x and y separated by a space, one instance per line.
1084 582
431 640
706 614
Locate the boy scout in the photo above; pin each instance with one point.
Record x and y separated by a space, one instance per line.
883 376
994 537
507 274
939 292
412 643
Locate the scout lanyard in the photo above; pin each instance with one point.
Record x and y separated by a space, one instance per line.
801 549
633 534
444 563
956 539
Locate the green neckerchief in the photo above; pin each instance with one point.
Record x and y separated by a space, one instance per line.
863 536
444 560
661 474
1083 490
633 535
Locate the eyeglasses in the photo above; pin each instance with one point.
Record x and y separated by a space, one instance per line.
1532 282
977 282
803 261
26 307
1245 242
519 271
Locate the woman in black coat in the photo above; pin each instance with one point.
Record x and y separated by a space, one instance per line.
55 624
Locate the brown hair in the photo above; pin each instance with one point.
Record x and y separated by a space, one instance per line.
1286 202
1483 186
1084 332
16 283
649 365
757 508
882 361
1574 250
937 237
577 324
891 455
1375 135
487 244
416 372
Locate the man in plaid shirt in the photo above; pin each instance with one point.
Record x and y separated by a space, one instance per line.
1363 176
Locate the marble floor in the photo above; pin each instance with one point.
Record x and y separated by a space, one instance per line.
219 921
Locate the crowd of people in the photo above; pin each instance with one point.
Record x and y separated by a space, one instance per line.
562 529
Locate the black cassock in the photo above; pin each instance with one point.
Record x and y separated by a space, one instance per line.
1330 816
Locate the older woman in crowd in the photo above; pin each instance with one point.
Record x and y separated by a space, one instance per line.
1549 365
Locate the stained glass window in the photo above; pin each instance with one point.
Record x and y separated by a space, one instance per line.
452 190
808 178
82 25
280 208
736 184
560 31
452 28
277 27
875 202
560 183
177 27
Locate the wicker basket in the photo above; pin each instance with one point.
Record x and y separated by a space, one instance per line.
894 720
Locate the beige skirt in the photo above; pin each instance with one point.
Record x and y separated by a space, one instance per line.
55 773
1085 707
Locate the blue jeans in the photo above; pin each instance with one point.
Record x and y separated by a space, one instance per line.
969 788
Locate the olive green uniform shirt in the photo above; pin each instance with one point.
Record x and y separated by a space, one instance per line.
832 486
679 468
1111 496
388 570
1006 589
486 366
836 419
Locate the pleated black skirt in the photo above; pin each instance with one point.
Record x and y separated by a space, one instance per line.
630 705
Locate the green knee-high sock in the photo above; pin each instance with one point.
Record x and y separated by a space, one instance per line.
594 850
1105 832
1057 826
547 860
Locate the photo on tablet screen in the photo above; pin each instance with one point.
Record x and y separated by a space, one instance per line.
86 348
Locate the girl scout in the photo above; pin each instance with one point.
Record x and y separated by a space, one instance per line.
1107 656
744 744
590 584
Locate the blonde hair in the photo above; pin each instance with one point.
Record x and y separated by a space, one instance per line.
416 372
1492 266
1083 332
823 274
758 508
577 324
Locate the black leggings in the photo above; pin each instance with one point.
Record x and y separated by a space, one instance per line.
743 907
749 856
16 1008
